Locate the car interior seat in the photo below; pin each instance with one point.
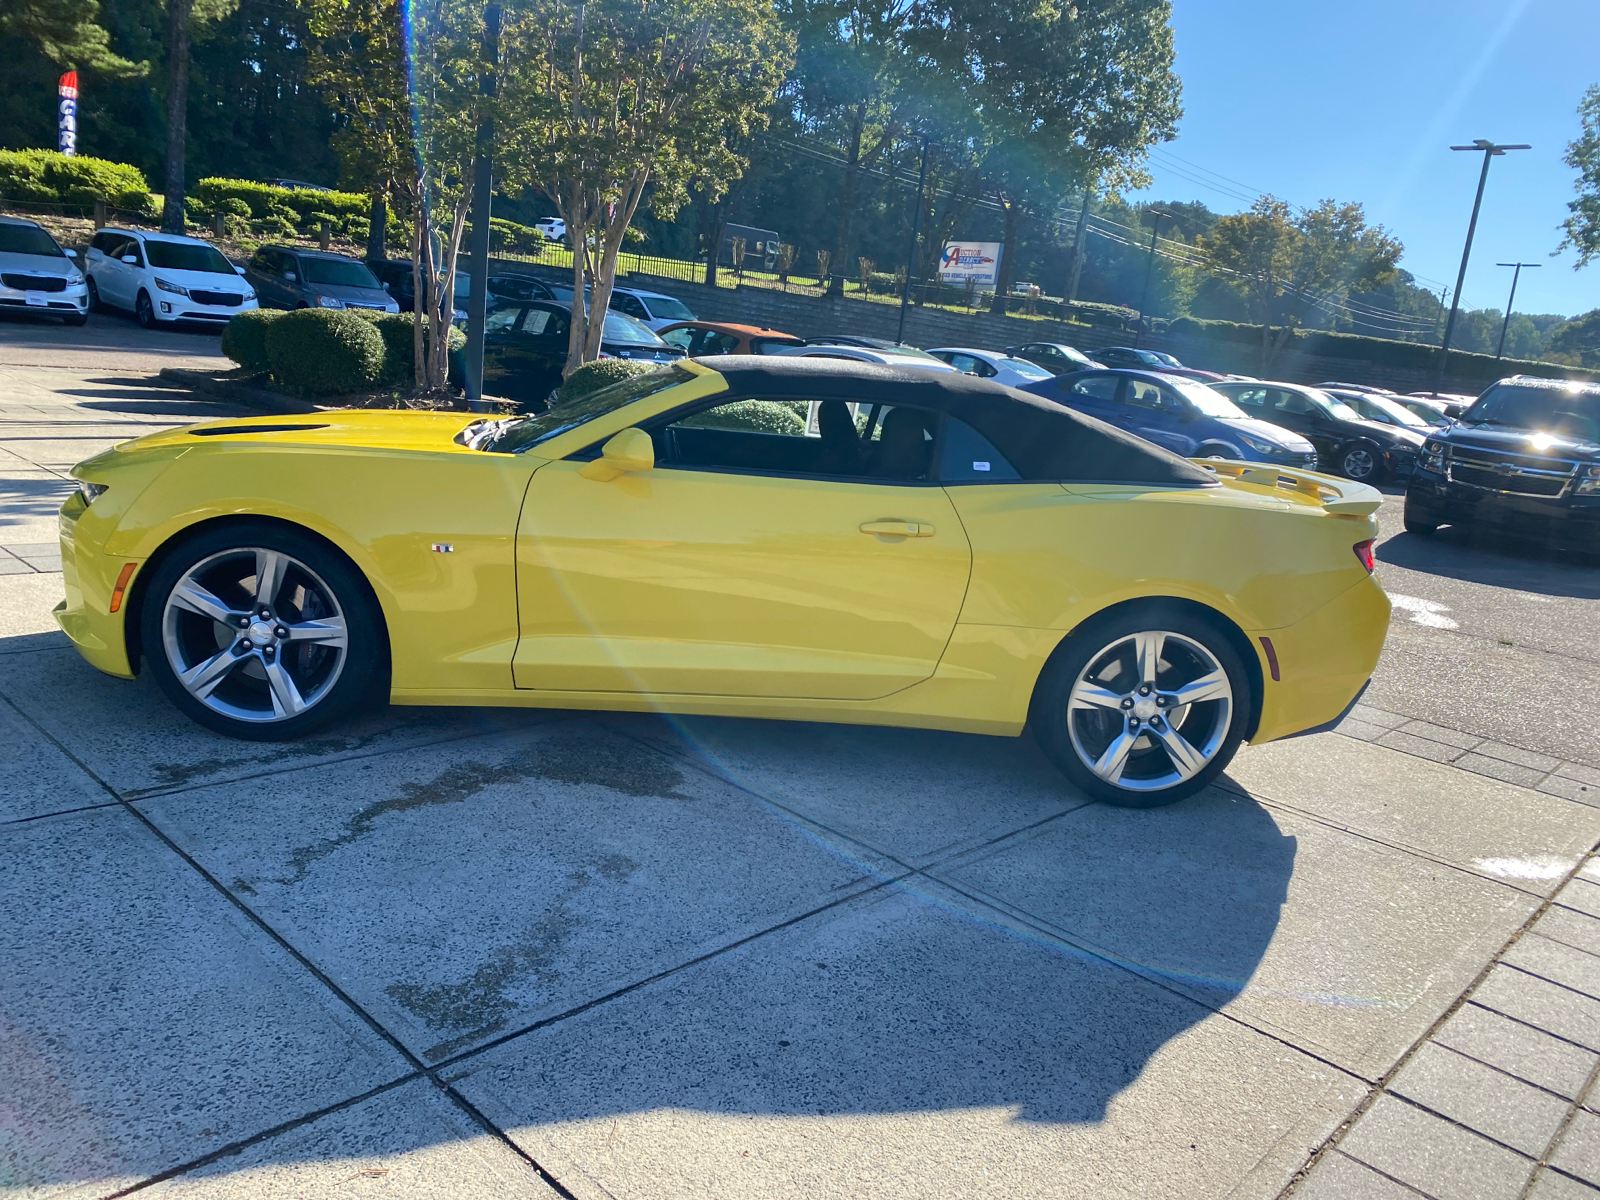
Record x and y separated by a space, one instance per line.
903 446
841 447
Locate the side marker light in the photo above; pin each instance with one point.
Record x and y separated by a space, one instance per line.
122 584
1272 658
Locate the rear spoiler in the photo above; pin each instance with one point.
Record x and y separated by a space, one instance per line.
1345 497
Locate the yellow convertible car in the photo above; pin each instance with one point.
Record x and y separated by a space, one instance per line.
746 536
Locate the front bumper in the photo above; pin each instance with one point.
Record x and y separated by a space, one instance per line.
73 300
89 576
1324 660
1570 516
172 307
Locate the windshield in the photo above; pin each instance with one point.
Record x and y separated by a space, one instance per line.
528 432
340 272
187 256
1023 367
1162 356
665 308
1573 409
28 239
1208 400
624 329
1335 408
1399 412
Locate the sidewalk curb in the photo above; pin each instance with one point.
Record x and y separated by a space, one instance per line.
237 391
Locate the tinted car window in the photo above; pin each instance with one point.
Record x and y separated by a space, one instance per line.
1249 397
681 338
541 322
773 345
1143 394
104 241
338 272
629 305
1097 387
186 256
966 456
28 239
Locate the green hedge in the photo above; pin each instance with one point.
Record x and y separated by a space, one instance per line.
324 352
244 338
46 177
395 330
755 416
1383 352
591 377
281 212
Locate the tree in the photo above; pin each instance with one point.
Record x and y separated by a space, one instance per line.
1578 340
1286 263
1583 156
66 32
1063 94
608 99
180 14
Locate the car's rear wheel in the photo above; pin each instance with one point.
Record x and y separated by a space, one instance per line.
1361 461
145 311
261 632
1144 708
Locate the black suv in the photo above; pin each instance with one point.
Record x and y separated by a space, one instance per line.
1527 452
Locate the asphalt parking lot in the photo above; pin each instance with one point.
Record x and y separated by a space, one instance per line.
479 953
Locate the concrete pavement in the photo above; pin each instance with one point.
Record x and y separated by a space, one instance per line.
467 952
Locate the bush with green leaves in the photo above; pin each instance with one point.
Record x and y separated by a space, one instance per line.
301 207
324 352
44 176
395 330
244 338
591 377
755 416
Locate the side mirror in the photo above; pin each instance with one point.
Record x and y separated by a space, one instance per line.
131 259
290 276
70 253
630 450
386 288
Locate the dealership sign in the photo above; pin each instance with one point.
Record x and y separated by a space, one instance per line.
975 261
67 113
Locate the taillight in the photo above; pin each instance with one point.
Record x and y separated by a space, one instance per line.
1364 553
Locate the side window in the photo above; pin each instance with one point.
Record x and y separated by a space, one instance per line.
963 362
1249 397
771 345
103 242
679 338
1142 394
629 305
289 267
132 246
541 322
1097 387
719 343
966 456
500 320
261 261
1292 403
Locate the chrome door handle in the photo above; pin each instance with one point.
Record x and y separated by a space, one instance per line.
902 529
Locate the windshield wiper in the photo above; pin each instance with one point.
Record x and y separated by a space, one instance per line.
484 432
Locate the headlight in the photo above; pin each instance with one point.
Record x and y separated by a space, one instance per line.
90 490
74 279
171 287
249 293
330 302
1260 445
1433 456
1589 484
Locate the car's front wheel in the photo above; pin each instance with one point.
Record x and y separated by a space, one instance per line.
1419 518
145 311
95 303
1144 708
261 632
1361 461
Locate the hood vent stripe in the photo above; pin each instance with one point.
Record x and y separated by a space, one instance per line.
223 430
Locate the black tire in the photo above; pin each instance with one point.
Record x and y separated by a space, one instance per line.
1360 461
243 702
95 303
1067 735
1213 451
144 311
1420 519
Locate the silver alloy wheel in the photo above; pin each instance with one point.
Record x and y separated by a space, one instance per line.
254 634
1359 463
1150 710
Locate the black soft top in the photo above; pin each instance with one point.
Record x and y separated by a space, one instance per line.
1042 439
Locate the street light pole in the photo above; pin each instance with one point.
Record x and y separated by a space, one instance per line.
1506 324
1138 328
1490 151
1079 248
916 229
482 187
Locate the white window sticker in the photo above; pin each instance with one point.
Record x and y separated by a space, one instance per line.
980 466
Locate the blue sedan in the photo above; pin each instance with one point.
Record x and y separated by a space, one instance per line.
1180 415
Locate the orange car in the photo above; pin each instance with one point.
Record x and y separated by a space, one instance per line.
698 338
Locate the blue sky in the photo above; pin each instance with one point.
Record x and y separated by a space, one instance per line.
1361 100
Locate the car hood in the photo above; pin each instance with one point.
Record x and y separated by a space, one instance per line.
1519 441
206 281
344 291
37 264
356 428
1267 432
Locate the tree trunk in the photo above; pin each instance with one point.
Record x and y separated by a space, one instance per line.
847 201
1008 255
377 218
419 304
172 217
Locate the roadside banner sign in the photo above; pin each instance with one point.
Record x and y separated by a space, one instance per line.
975 261
67 113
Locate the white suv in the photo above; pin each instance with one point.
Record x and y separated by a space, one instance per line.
164 277
36 275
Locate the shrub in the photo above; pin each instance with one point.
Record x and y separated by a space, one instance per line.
44 176
273 227
591 377
323 351
398 359
244 337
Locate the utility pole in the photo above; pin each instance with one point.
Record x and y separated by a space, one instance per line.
1079 249
482 187
1506 324
916 229
1138 328
1490 151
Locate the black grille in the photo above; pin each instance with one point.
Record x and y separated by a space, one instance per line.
229 299
34 283
1522 485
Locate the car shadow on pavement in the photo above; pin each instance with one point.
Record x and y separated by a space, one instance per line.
1497 560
